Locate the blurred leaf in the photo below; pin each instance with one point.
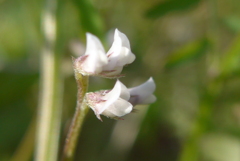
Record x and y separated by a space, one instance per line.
230 62
14 114
187 53
90 19
14 86
220 147
13 121
232 22
25 148
12 40
165 7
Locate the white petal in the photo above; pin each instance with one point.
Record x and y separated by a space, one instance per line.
149 99
114 72
114 54
111 97
96 109
118 91
125 41
120 108
96 55
124 91
143 92
93 44
127 57
120 53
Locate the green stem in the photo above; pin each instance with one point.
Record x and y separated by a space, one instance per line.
77 121
49 114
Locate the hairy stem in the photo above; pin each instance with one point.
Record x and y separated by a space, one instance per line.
77 121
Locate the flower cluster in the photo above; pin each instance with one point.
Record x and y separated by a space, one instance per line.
96 62
120 100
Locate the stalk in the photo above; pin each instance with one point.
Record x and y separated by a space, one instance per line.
78 119
49 112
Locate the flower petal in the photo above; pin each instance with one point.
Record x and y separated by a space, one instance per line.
124 91
118 91
120 53
143 93
123 37
96 55
93 44
149 99
120 108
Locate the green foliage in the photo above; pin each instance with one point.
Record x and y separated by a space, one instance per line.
230 61
190 52
233 22
15 113
167 6
14 87
90 20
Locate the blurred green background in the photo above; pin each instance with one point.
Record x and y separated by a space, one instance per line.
190 47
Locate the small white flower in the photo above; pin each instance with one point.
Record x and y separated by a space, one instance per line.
119 101
94 58
113 104
96 62
119 54
143 94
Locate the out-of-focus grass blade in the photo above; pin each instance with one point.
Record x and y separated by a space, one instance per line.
170 5
232 22
187 53
89 18
230 62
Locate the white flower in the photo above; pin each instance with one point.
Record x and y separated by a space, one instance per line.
119 54
143 94
96 62
119 101
94 58
113 104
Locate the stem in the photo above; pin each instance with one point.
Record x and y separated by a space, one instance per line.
77 121
49 114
